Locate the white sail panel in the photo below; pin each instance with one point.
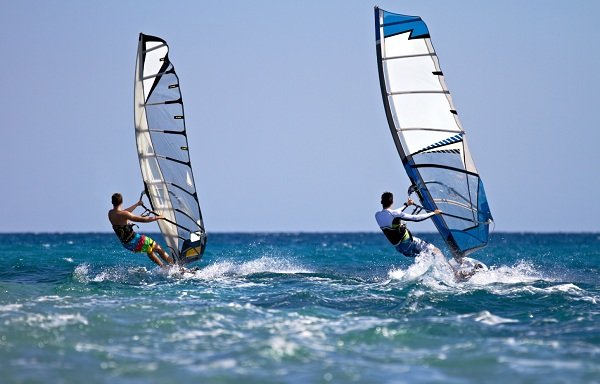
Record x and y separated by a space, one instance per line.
155 52
401 46
422 111
413 73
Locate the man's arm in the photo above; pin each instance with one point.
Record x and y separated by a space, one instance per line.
410 217
140 219
420 217
134 206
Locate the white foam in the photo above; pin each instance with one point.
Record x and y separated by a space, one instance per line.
521 272
81 273
423 263
51 321
84 274
280 347
522 364
433 271
42 299
570 289
224 364
102 276
488 318
430 269
264 264
10 307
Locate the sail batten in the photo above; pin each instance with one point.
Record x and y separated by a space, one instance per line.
428 135
408 56
162 103
163 151
424 129
154 48
154 75
416 92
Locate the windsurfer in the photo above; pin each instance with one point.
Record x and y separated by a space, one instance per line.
119 218
391 222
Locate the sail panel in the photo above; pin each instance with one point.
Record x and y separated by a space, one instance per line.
427 132
416 74
164 153
401 45
422 111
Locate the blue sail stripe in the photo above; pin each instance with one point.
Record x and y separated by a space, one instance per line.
450 140
395 24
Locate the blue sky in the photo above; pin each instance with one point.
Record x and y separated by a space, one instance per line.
284 113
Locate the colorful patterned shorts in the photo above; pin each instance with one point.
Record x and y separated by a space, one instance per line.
140 243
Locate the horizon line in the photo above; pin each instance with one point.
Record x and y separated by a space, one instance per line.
292 232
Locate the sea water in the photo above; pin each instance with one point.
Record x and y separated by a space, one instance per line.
299 308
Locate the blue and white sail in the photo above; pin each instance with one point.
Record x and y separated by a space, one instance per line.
427 132
163 151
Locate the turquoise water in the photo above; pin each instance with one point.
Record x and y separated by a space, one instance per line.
299 308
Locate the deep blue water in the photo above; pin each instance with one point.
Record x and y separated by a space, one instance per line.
299 308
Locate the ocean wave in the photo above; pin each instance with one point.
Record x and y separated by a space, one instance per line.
569 290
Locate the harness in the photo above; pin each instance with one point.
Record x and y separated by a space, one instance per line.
124 232
397 233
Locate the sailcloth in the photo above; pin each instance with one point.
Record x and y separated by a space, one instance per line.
427 132
163 151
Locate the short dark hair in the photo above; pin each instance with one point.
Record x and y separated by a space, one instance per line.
387 199
117 199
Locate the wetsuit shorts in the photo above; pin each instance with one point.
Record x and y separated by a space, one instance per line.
412 248
140 243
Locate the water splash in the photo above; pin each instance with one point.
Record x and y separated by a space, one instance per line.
81 273
425 265
85 273
434 271
521 272
225 269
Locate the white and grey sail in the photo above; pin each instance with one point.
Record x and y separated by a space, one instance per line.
163 151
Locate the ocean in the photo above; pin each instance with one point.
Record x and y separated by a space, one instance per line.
299 308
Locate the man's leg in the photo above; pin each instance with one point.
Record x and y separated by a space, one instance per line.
158 249
155 259
421 245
